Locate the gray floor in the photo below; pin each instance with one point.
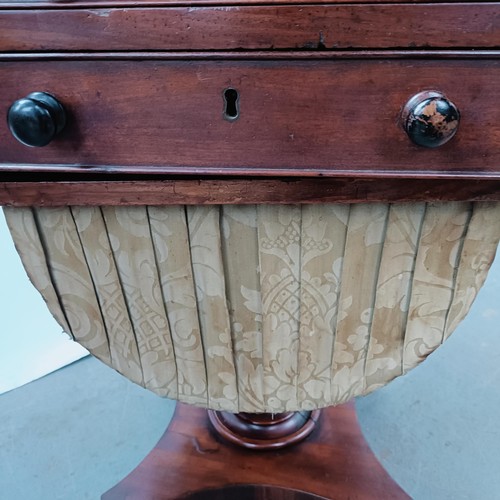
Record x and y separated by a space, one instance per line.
437 430
76 432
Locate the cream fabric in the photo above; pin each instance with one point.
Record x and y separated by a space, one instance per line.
259 308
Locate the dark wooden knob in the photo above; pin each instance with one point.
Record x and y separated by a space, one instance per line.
36 119
430 119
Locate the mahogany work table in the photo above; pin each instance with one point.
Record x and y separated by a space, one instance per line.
204 102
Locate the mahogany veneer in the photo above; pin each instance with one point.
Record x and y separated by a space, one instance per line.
189 462
209 191
296 117
256 27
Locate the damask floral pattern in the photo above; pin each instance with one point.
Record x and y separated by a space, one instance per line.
384 357
259 308
170 236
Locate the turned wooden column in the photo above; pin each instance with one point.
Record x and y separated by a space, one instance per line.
264 431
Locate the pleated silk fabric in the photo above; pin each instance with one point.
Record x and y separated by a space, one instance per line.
259 308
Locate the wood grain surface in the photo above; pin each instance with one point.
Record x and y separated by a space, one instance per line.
335 462
254 27
245 191
296 117
31 4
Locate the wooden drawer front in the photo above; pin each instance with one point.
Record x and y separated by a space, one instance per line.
314 117
259 27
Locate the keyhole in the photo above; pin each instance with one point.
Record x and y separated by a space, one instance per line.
231 104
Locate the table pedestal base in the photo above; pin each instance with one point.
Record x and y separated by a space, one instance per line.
191 462
264 431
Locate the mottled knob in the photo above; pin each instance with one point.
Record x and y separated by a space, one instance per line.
36 119
430 119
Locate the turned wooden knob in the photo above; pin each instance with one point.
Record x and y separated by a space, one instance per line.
36 119
430 119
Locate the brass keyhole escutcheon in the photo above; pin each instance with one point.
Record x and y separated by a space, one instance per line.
231 104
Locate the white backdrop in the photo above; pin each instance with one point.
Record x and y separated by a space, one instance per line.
32 344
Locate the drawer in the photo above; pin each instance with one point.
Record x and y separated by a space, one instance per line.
295 117
196 26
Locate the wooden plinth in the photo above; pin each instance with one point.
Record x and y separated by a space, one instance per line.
191 462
